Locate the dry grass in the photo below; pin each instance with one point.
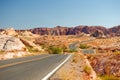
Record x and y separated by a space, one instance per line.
76 69
117 52
109 77
87 69
77 57
59 40
2 52
105 42
66 75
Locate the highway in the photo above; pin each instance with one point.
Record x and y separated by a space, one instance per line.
32 68
73 45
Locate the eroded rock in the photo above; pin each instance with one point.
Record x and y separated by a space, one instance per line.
9 43
9 31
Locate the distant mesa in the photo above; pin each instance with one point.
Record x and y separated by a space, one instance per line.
95 31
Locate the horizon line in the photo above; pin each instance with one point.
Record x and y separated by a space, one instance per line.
61 26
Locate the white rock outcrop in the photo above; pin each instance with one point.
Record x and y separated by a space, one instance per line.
9 43
9 31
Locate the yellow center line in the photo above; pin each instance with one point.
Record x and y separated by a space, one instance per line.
7 65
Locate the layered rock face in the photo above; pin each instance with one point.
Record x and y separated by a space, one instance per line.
98 34
106 64
9 43
114 31
59 30
17 44
11 47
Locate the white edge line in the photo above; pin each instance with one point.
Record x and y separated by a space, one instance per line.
54 70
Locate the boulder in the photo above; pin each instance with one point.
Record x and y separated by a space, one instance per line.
9 43
31 45
98 34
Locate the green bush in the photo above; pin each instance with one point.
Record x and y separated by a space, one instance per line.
31 49
54 50
83 46
109 77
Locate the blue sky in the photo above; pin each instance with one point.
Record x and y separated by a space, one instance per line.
24 14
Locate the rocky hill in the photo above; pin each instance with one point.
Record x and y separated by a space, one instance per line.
114 31
17 44
60 30
106 64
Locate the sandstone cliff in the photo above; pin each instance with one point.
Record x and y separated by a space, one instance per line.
59 30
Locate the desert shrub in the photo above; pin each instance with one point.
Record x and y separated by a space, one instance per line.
72 50
87 69
64 48
117 52
109 77
54 50
84 46
76 58
1 52
31 49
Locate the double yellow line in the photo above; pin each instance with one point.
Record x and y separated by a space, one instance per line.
7 65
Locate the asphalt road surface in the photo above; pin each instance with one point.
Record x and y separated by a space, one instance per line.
73 45
32 68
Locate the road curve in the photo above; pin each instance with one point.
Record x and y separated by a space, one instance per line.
31 68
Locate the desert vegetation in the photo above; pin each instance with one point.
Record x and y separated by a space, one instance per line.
83 46
105 61
1 52
87 69
54 50
109 77
76 69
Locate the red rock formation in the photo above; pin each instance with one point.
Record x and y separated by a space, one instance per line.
1 30
114 31
98 34
59 30
106 64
